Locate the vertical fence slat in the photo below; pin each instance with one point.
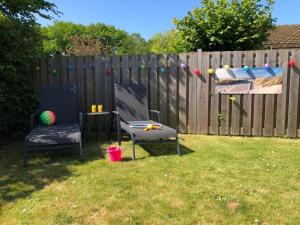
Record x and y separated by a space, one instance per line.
203 93
44 71
214 111
36 75
293 95
89 82
224 115
192 119
163 89
270 100
108 84
258 100
116 69
134 69
63 69
236 99
99 80
182 93
125 69
116 76
173 91
71 71
144 70
80 83
282 98
153 81
51 71
247 100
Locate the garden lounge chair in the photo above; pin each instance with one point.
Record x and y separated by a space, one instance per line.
66 132
132 110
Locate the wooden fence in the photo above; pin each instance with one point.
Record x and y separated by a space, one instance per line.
185 100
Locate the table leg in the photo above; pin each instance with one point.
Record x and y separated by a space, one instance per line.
110 125
97 126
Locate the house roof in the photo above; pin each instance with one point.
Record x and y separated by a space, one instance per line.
284 36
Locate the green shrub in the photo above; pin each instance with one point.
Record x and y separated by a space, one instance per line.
20 41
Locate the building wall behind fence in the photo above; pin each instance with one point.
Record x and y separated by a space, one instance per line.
185 100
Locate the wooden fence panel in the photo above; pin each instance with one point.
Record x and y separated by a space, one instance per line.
185 100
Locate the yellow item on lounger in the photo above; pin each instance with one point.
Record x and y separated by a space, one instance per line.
151 127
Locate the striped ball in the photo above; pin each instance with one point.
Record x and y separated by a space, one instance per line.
48 118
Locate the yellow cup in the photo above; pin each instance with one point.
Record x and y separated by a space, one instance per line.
93 108
100 108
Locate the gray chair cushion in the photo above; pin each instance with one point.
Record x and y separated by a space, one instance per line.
140 134
54 135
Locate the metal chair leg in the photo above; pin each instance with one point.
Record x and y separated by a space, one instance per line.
118 131
178 146
133 147
80 151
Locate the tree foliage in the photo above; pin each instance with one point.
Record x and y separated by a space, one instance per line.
227 25
166 42
20 42
83 45
58 38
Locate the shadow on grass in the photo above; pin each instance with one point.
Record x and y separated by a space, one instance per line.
44 167
160 149
166 149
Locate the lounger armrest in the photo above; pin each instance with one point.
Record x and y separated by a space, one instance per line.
157 113
33 120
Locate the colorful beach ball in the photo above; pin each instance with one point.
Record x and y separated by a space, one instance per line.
48 118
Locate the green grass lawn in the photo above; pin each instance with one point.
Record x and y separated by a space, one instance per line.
218 180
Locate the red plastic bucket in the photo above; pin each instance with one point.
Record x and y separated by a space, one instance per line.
114 153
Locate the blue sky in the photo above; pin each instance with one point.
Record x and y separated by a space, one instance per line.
148 17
